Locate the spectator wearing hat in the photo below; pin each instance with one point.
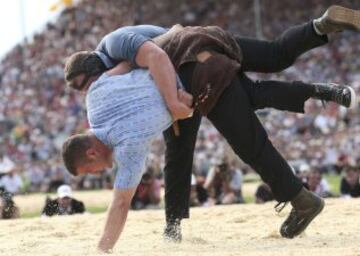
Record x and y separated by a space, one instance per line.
64 204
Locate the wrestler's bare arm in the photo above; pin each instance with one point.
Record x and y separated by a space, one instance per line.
160 67
116 218
120 69
125 67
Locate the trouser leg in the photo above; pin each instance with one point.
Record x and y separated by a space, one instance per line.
179 160
274 56
178 166
289 96
235 119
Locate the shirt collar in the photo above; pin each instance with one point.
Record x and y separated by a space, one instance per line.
108 63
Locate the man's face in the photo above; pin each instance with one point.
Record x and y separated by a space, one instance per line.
64 202
97 163
352 177
314 179
78 79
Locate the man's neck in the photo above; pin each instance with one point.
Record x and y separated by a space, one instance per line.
98 143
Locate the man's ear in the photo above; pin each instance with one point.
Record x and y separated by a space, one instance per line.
92 153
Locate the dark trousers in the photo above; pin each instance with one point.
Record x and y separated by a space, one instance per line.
235 119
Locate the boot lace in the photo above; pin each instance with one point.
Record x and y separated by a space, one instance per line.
323 102
280 206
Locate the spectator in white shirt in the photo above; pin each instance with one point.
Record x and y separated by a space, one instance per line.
12 182
6 164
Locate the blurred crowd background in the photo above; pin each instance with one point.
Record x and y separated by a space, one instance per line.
37 111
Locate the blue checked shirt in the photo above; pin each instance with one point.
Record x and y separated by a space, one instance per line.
127 112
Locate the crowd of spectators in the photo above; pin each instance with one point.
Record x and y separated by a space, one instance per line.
37 112
314 180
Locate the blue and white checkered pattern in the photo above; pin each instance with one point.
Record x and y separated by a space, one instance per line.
127 112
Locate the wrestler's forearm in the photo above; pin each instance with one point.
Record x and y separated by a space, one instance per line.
114 225
120 69
150 56
164 75
115 221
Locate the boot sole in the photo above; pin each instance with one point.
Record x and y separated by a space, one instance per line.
353 102
343 16
309 220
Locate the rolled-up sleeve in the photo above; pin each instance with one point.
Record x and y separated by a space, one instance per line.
124 46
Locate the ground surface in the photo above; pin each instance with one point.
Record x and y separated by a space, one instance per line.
96 201
223 230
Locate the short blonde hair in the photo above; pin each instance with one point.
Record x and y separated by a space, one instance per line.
74 151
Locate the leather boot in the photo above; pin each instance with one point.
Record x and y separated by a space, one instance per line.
172 231
337 18
306 206
340 94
